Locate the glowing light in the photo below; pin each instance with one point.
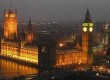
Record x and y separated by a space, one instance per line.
60 44
53 77
91 24
30 37
84 29
88 24
12 15
97 74
6 15
101 67
85 24
90 29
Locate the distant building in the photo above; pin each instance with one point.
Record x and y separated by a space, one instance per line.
29 34
46 53
79 54
10 24
22 48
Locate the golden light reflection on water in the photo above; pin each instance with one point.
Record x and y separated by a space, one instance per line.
11 69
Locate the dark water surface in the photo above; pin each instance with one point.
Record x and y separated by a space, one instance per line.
10 69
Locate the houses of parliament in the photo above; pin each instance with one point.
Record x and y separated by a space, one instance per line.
24 49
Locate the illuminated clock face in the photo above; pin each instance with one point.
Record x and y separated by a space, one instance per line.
90 29
84 29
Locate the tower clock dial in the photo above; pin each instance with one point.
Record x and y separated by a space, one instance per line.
84 29
90 29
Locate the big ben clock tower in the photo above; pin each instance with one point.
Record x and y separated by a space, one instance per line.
87 39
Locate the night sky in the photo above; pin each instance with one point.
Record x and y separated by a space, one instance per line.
58 10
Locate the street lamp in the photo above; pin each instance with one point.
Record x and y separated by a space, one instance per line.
60 44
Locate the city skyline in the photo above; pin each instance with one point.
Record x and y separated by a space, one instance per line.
54 40
57 10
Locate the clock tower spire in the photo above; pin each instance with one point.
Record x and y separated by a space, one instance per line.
88 16
87 38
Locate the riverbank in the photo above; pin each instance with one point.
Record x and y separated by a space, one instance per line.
19 61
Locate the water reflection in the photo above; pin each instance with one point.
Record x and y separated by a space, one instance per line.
11 69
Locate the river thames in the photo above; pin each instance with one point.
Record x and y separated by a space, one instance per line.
10 69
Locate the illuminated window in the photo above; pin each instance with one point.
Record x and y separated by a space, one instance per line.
91 24
12 15
85 24
6 15
88 24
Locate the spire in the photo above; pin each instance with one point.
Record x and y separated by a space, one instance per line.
4 11
10 4
29 27
10 10
29 21
87 16
23 35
